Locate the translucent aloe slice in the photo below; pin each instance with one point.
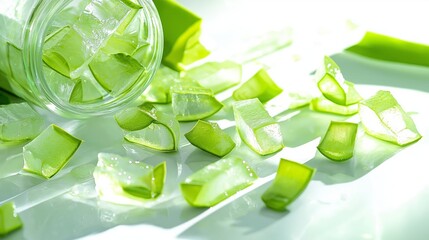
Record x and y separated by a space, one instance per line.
217 76
339 141
217 181
322 104
192 103
181 33
256 127
159 89
116 72
59 84
259 86
150 127
383 118
50 151
85 91
9 220
18 121
291 180
123 180
209 137
333 86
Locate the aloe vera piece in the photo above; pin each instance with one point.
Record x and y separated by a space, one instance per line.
291 180
209 137
123 180
256 127
379 46
9 220
49 152
383 118
159 89
217 181
322 104
339 141
18 121
333 85
259 86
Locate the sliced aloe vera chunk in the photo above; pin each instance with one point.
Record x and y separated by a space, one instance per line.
259 86
338 144
50 151
209 137
383 118
9 220
191 103
322 104
333 85
123 180
116 72
149 127
159 89
291 180
256 127
217 181
18 121
217 76
181 33
85 91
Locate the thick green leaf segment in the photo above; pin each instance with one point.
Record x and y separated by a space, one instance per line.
18 121
124 180
9 220
291 180
383 118
333 86
50 151
257 128
209 137
382 47
217 181
259 86
322 104
339 141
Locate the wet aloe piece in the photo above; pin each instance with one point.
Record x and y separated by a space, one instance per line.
123 180
191 103
383 118
256 127
50 151
9 220
338 144
18 121
147 126
322 104
217 181
333 85
291 180
85 91
209 137
217 76
259 86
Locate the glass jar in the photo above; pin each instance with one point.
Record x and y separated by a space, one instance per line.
79 58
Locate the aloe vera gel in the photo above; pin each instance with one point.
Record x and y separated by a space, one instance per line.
79 58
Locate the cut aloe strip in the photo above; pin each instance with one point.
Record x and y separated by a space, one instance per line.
116 72
383 118
291 180
217 76
9 220
18 121
159 89
259 86
85 91
333 86
191 103
50 151
339 141
256 127
123 180
378 46
209 137
150 127
181 31
322 104
217 181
